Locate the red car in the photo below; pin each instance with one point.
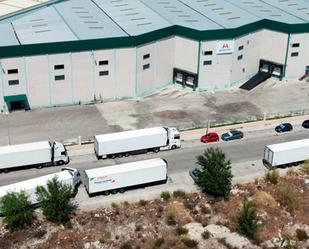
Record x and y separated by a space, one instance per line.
210 137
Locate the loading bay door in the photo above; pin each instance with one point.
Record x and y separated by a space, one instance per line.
185 78
272 68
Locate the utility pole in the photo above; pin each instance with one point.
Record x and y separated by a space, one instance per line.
8 127
208 126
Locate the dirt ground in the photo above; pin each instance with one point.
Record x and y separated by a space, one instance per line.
160 223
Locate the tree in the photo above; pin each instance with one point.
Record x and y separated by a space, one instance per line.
16 209
216 176
247 221
56 200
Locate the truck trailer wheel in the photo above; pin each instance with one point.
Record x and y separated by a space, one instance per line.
6 171
127 154
114 191
173 147
122 190
113 156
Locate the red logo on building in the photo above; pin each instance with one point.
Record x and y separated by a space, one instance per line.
225 45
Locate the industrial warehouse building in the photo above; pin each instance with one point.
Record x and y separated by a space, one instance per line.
66 52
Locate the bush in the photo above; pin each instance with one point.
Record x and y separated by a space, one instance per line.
126 245
301 235
287 196
179 194
205 209
165 195
56 201
247 221
205 235
171 220
181 230
216 175
189 242
17 210
272 176
305 167
142 202
159 242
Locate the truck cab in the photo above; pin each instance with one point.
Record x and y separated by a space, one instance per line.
173 138
60 154
75 175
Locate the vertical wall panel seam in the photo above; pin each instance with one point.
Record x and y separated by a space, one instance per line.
136 74
72 78
116 74
286 56
198 63
93 74
26 76
49 81
4 107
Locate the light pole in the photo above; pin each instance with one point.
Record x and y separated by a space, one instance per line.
8 127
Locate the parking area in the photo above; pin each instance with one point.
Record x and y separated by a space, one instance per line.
173 106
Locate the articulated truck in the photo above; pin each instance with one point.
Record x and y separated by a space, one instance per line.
67 176
118 178
37 154
285 154
137 141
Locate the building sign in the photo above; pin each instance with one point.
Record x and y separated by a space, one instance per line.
225 47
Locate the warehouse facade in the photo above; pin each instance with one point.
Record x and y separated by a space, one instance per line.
82 51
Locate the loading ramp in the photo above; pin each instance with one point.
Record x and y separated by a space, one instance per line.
255 80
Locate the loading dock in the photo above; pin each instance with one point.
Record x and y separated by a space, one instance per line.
272 68
185 78
17 102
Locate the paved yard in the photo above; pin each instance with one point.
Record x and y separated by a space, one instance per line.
173 106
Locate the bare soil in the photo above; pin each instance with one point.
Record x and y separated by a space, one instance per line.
155 224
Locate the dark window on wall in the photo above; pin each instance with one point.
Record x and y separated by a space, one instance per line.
59 77
208 53
146 56
58 67
294 54
102 63
12 71
13 82
146 66
241 47
103 73
239 57
207 63
295 45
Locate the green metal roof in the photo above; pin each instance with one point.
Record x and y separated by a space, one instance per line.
79 25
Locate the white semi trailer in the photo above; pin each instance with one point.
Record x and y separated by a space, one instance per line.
136 141
288 153
67 176
32 154
118 178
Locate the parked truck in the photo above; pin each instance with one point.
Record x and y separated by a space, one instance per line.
288 153
118 178
32 154
67 176
136 141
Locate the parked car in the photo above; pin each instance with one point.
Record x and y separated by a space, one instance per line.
306 124
194 174
232 134
210 137
284 127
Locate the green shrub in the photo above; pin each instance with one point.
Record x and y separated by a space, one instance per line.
305 167
247 221
159 242
126 245
301 235
216 175
165 195
287 196
142 202
190 243
272 176
56 201
171 220
179 194
205 235
16 210
115 205
181 230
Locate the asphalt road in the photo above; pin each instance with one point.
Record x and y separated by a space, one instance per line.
240 152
